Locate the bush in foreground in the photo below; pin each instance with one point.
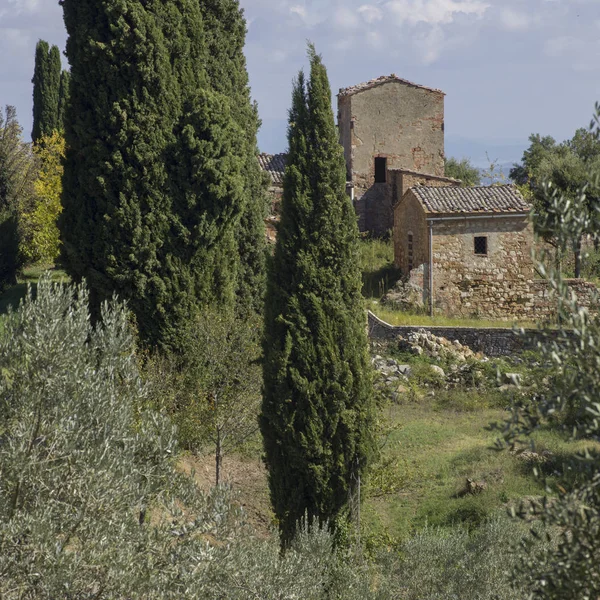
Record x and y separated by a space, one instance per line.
91 503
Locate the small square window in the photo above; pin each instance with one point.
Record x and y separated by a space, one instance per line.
480 245
380 169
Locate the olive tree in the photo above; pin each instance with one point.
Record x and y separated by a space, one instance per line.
90 503
212 388
570 568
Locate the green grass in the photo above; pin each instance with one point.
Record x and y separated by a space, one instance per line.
435 444
396 317
377 263
13 295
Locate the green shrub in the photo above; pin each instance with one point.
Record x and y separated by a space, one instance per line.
453 564
91 505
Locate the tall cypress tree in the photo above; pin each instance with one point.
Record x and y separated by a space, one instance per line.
225 30
63 98
152 188
316 413
46 90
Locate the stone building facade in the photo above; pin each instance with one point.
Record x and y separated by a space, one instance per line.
384 124
468 249
274 166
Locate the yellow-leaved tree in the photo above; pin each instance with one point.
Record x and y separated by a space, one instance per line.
41 239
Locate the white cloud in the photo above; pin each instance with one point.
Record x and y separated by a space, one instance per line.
14 39
580 54
299 10
344 18
370 13
431 44
19 7
434 12
374 39
513 20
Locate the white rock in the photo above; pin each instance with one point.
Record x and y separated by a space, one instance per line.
438 371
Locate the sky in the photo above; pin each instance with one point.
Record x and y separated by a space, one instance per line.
509 67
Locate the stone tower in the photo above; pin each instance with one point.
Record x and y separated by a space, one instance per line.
388 123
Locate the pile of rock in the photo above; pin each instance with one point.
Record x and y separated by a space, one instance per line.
391 370
424 342
404 296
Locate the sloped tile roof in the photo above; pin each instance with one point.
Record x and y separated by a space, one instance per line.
480 199
360 87
274 165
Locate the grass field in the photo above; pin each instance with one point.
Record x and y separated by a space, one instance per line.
428 459
14 294
396 317
434 442
377 263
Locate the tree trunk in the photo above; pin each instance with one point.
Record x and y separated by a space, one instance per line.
218 460
577 252
218 444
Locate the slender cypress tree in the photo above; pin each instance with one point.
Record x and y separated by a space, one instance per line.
46 90
63 98
152 188
225 30
316 413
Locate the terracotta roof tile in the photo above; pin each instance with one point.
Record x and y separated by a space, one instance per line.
360 87
274 165
479 199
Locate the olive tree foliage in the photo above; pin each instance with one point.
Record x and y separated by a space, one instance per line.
91 504
456 564
570 569
87 484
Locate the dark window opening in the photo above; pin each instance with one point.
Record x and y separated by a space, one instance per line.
480 244
380 169
410 252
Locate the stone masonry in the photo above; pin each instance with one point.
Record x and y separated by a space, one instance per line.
495 285
398 123
480 264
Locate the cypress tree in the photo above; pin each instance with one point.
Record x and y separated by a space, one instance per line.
225 30
152 188
316 413
46 89
63 98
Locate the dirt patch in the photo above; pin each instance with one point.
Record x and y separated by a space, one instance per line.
248 479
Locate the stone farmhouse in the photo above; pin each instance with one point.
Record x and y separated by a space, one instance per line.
385 125
467 251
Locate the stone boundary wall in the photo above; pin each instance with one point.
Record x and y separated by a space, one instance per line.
491 341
